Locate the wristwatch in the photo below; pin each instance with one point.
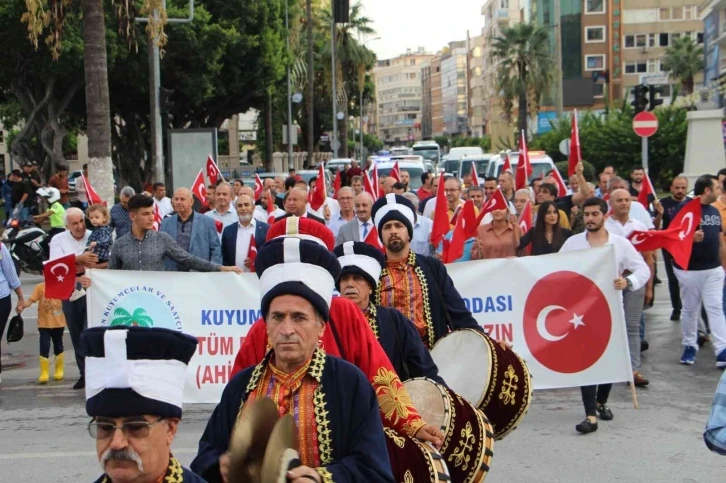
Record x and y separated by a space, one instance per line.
630 284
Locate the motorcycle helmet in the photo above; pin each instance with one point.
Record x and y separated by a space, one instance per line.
52 194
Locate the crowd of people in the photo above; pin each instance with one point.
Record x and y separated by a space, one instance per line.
350 353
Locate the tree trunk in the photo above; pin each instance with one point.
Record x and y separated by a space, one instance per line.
522 125
311 87
98 106
687 86
344 133
268 134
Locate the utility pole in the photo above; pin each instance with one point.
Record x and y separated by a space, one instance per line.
334 141
558 58
290 164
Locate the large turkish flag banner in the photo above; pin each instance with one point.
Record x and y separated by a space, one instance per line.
561 312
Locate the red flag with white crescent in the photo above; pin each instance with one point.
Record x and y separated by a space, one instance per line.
575 156
474 176
525 223
396 172
441 214
373 240
645 191
259 186
507 164
561 186
319 193
524 167
368 186
497 201
213 171
198 188
337 183
91 194
157 218
270 209
60 277
252 253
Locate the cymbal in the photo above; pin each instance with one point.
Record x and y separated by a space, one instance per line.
249 440
281 451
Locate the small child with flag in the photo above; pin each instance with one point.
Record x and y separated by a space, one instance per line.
101 238
51 324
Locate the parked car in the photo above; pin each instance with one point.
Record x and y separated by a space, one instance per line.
540 161
415 170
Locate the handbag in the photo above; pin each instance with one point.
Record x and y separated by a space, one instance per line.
15 329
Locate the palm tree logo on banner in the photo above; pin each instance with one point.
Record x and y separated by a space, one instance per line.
138 319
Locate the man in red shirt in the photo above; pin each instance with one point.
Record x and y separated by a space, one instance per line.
426 190
354 170
60 182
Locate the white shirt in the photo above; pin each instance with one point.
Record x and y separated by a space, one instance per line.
164 205
638 212
624 229
626 258
244 234
430 207
336 222
227 218
64 244
421 234
366 230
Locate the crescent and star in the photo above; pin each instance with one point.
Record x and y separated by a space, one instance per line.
689 216
576 321
62 265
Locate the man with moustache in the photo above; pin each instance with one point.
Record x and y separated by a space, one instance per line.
237 238
223 211
193 232
670 204
361 266
417 286
358 228
134 390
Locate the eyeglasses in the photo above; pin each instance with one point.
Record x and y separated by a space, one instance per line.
452 190
131 429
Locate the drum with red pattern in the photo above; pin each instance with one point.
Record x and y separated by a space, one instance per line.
413 461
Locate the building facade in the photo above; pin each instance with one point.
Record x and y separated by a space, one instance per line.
476 86
437 105
426 113
399 98
455 89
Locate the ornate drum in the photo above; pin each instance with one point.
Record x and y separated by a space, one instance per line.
486 373
468 438
413 461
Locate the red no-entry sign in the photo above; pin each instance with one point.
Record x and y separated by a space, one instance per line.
645 124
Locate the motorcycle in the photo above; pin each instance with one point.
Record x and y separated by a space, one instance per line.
28 245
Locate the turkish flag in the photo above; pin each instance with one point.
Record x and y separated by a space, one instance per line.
561 186
465 228
645 192
198 188
687 221
375 182
259 186
60 277
497 201
212 170
474 176
441 214
575 156
368 187
157 218
525 224
93 198
319 193
219 226
373 240
507 164
647 241
252 253
524 167
396 172
336 184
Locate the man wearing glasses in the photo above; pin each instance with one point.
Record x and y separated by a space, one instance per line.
134 388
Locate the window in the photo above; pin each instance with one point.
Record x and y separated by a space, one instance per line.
640 40
688 13
629 41
594 6
664 14
595 34
664 40
699 38
2 136
652 66
639 67
595 62
677 13
598 90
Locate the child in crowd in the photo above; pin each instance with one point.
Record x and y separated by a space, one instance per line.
101 237
51 323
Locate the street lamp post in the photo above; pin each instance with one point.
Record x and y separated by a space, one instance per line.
290 164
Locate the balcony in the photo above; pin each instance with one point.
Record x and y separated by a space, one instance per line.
502 15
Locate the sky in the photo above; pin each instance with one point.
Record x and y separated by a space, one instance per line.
404 24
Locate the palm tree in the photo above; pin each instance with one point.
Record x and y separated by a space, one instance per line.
310 101
138 319
683 60
524 71
350 56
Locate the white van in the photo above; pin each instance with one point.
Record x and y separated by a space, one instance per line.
453 160
540 161
480 161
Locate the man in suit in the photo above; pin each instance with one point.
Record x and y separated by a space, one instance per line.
236 239
194 232
296 201
358 228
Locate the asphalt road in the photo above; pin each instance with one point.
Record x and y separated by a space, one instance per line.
43 436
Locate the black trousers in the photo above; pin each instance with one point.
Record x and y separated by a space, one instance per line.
76 320
594 395
5 308
673 288
46 335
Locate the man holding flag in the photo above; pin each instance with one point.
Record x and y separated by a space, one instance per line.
701 281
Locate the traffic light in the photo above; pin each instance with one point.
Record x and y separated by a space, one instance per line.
341 11
655 90
640 102
165 101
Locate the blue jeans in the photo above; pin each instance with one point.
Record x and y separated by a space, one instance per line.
642 327
24 214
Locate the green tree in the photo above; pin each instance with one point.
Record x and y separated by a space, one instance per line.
524 70
138 319
683 60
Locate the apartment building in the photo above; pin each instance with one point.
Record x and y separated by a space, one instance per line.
437 104
454 89
476 86
426 114
399 96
